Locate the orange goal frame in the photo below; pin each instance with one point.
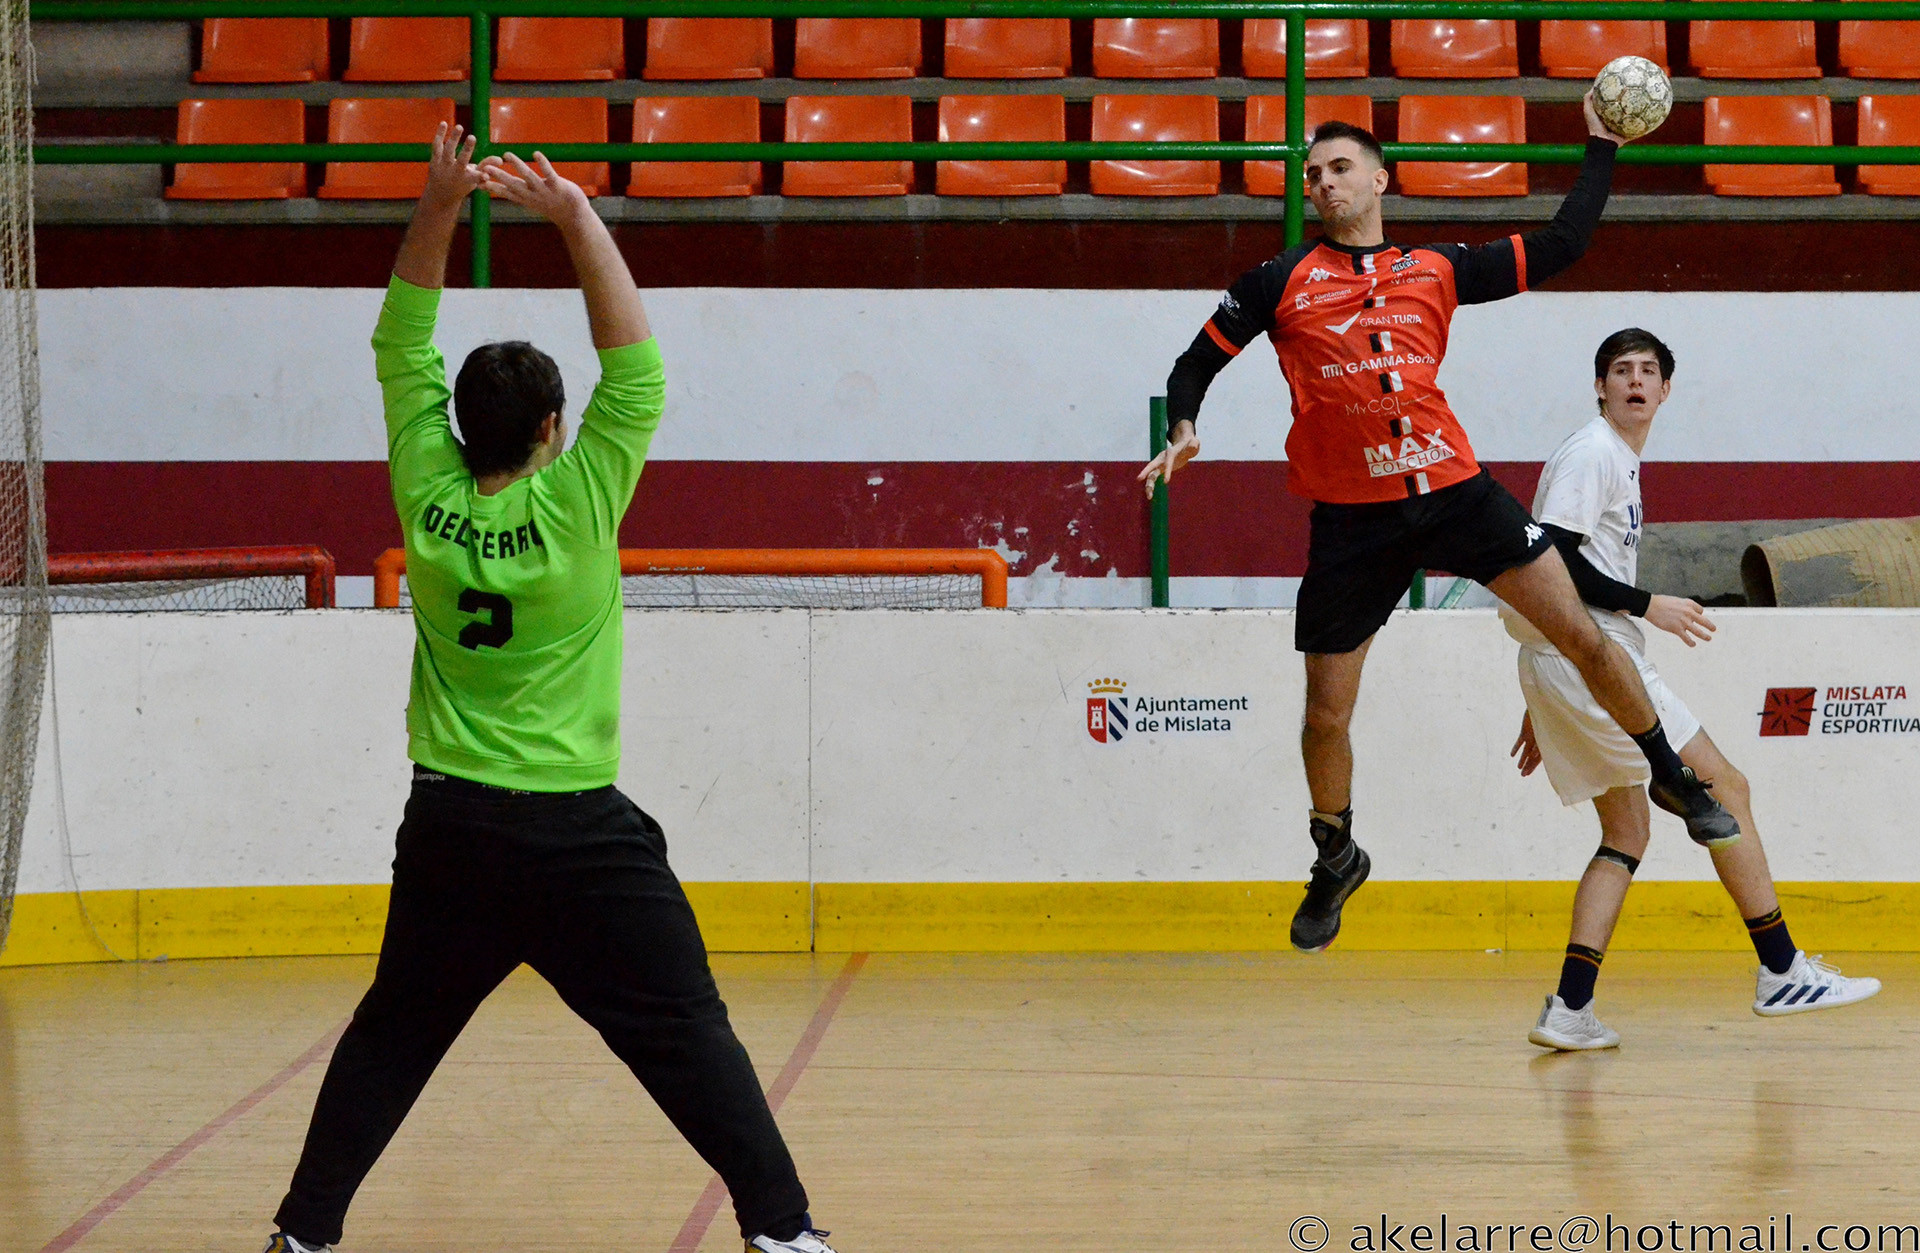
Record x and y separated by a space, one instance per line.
988 564
306 561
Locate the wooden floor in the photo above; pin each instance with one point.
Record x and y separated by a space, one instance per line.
973 1102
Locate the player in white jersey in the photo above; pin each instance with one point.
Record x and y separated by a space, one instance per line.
1589 502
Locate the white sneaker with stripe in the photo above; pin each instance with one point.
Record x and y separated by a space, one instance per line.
805 1242
1571 1030
281 1242
1808 984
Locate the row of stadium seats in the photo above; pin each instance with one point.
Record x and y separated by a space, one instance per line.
565 49
815 119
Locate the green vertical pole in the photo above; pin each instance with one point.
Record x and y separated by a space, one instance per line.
1417 593
1296 127
1157 517
480 221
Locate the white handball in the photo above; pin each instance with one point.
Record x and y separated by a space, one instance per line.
1632 95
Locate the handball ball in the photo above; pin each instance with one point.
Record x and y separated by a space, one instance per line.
1632 95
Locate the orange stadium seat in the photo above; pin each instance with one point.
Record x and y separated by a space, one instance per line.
529 121
1753 49
1880 49
1455 48
1890 121
1267 123
409 50
1800 120
695 48
695 120
1156 119
392 120
848 119
991 119
1008 47
1156 47
240 122
560 49
1463 119
1336 48
1578 49
856 47
264 50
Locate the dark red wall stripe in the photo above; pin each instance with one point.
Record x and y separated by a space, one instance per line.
1625 256
1231 518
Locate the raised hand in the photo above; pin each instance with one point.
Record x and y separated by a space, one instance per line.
1595 127
536 188
451 174
1682 617
1184 447
1526 748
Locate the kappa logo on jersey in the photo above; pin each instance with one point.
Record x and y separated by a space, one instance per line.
1107 710
1534 533
1318 275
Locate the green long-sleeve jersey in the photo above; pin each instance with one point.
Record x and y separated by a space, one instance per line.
516 596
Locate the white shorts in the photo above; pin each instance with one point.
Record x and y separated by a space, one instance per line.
1583 748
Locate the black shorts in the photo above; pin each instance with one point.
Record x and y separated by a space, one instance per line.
1361 558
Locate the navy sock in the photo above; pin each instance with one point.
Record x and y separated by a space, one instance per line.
1660 754
1577 975
1772 941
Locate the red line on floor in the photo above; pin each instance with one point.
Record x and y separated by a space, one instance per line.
178 1153
694 1230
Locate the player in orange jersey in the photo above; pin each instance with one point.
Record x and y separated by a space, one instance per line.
1360 327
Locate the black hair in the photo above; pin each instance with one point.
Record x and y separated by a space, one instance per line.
1633 339
503 394
1347 130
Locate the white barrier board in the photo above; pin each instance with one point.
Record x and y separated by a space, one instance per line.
255 749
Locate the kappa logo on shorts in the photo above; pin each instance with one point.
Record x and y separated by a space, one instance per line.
1107 710
1534 533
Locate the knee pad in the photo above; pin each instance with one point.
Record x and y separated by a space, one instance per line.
1625 861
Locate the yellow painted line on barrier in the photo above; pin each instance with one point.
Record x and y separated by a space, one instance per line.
986 917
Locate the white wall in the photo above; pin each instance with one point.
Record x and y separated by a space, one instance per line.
284 374
255 749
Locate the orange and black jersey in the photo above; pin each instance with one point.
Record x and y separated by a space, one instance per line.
1360 334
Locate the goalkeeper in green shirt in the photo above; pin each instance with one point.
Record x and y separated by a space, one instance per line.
516 847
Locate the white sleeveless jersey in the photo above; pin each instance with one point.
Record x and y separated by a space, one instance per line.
1591 486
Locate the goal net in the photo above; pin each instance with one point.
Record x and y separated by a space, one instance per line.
23 545
205 579
782 578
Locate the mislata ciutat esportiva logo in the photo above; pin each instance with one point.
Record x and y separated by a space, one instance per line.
1113 716
1839 709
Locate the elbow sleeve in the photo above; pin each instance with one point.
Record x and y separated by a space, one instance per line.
1595 588
1192 374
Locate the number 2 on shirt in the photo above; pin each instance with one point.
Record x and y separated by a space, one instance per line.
496 629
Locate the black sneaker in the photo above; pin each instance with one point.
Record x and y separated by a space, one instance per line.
1708 822
1317 920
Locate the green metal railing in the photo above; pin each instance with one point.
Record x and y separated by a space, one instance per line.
1292 151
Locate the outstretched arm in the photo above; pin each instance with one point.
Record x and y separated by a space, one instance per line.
1507 267
451 178
613 302
1245 313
